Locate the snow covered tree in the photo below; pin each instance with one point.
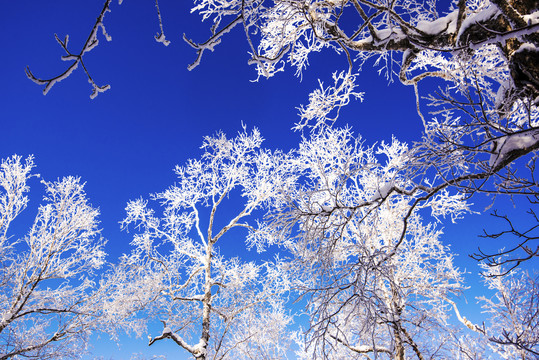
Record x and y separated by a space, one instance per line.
514 320
213 305
378 281
482 135
48 301
482 54
377 278
511 330
475 43
483 131
514 317
434 39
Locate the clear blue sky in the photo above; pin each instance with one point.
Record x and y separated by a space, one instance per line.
125 143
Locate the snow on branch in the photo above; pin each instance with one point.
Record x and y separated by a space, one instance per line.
49 303
211 42
364 258
324 100
91 42
175 271
509 147
514 323
160 37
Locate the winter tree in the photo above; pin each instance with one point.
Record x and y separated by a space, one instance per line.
482 132
514 320
379 282
214 306
377 278
48 301
484 51
481 136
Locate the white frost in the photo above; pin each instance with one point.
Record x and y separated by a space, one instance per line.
503 146
445 24
481 17
383 191
160 38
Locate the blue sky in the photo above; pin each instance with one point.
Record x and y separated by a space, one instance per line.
125 143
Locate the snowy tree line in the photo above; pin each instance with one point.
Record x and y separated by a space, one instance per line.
356 228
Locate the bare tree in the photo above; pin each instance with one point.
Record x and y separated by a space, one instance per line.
483 54
377 279
482 133
431 42
511 330
211 305
512 256
48 301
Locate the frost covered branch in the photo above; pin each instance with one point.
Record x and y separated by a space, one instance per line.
175 271
49 304
160 37
514 329
91 42
369 266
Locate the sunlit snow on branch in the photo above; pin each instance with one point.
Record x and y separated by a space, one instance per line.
210 305
324 100
49 304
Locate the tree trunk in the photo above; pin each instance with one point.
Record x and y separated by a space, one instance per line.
206 305
399 345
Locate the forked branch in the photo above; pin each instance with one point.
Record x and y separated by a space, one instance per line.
91 42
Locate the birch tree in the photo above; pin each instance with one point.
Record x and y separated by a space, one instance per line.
368 258
377 279
211 305
48 301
